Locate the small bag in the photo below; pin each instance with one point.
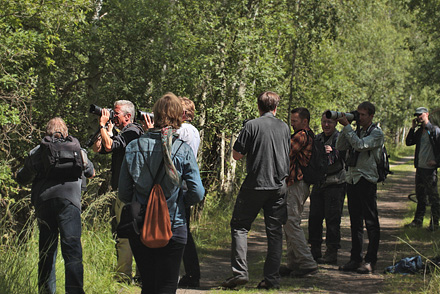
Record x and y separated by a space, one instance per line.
156 231
131 218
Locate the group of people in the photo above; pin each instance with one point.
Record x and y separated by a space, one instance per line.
275 183
166 146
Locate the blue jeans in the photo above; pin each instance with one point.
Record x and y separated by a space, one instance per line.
59 217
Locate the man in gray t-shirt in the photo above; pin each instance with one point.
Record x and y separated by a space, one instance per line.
426 138
265 142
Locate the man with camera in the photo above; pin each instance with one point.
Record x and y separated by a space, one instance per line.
56 169
122 116
364 147
327 197
426 160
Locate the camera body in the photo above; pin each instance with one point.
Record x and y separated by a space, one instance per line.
140 115
95 109
351 116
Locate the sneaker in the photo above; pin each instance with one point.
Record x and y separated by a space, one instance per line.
366 268
285 271
235 281
350 266
189 282
413 224
301 272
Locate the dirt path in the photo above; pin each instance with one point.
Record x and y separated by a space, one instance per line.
392 205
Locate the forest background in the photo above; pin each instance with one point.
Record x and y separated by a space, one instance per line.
58 57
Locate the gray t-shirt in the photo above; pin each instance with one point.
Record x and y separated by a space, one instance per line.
425 153
266 142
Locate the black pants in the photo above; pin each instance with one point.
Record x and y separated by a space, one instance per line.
247 206
190 257
426 188
326 203
362 206
159 267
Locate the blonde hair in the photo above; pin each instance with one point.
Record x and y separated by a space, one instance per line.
189 108
57 127
168 111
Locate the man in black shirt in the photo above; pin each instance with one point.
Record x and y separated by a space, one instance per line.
265 141
124 113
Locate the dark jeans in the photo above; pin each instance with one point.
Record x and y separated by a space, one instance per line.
326 203
190 257
60 216
159 267
426 188
247 207
362 205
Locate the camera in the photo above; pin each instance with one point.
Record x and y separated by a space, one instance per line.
140 115
353 115
95 109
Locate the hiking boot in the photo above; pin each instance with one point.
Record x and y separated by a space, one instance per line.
235 281
301 272
285 271
413 224
366 268
350 266
189 282
330 256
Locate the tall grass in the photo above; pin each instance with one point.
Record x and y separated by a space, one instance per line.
19 256
417 241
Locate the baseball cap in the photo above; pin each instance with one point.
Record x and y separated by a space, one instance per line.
421 110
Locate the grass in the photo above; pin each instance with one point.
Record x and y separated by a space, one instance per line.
413 242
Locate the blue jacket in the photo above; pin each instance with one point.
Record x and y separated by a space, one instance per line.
137 176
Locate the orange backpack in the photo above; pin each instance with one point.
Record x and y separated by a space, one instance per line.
156 230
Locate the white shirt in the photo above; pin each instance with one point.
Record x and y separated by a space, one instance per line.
190 135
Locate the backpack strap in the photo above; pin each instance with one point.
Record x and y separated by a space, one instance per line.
158 172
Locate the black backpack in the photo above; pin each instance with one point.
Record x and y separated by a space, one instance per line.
316 171
61 157
383 166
